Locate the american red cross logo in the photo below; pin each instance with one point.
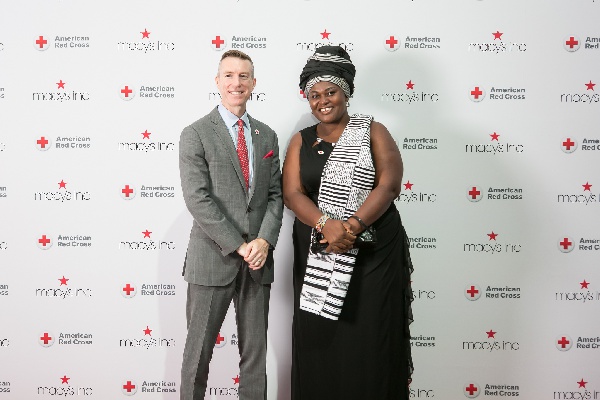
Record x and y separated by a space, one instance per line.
129 386
127 191
563 342
126 91
42 142
391 42
572 42
217 41
46 338
472 291
474 192
476 92
471 389
41 42
566 243
568 144
219 338
44 240
128 289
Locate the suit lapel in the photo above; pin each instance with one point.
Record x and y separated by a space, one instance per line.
257 152
222 132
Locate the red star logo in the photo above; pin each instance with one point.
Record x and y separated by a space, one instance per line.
236 380
590 86
147 331
582 383
410 85
61 84
63 281
145 34
584 284
498 35
492 235
587 187
62 184
146 134
408 185
325 34
495 136
64 379
491 334
146 233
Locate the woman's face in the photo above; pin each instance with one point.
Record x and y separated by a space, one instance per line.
327 102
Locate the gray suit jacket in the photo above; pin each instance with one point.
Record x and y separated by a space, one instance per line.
225 214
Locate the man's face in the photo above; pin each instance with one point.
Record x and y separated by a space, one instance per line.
235 81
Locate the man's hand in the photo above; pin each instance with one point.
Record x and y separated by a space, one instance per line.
256 253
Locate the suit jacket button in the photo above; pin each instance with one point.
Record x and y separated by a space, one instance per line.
245 236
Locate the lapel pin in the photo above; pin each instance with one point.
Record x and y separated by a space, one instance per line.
256 131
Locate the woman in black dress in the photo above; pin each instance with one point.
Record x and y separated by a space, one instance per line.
351 303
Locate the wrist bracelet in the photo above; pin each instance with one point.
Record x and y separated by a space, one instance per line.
321 223
360 221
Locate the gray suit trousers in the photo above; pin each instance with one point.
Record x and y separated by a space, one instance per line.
206 310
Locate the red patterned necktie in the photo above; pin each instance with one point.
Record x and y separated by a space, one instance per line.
242 151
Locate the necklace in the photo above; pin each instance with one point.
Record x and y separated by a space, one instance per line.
319 140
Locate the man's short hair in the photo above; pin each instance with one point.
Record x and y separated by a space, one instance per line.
240 55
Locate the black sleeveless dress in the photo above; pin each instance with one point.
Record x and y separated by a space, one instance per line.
366 353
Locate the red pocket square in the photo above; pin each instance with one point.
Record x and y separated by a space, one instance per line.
268 155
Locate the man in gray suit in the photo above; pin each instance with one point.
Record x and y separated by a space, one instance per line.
230 177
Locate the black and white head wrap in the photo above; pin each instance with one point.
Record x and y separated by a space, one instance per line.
329 64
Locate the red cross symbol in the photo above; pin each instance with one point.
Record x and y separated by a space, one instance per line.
44 240
391 42
471 389
126 91
476 93
302 94
572 42
472 291
126 190
566 243
129 386
217 41
41 42
219 338
128 289
563 342
474 192
568 143
42 142
46 338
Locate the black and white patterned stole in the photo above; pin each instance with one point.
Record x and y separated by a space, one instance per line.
346 181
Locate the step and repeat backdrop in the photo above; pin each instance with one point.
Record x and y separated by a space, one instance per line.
494 107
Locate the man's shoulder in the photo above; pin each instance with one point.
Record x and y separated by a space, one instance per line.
208 120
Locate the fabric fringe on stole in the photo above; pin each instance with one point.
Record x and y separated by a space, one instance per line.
346 181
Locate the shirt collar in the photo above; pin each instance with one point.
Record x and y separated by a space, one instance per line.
231 119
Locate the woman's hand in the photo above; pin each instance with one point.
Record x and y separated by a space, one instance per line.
339 236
